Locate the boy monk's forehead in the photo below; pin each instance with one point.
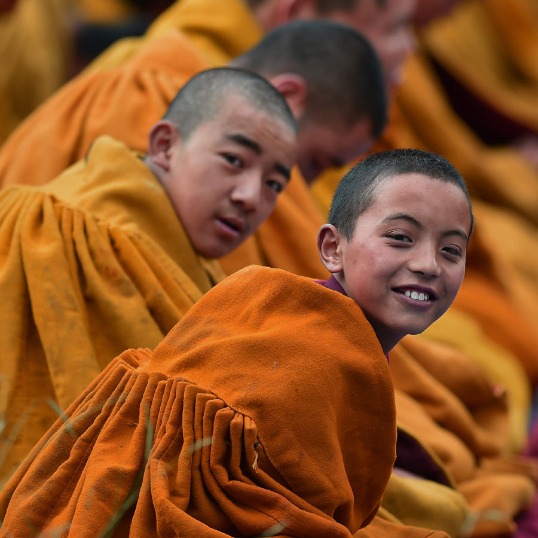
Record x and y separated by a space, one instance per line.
392 191
255 103
245 123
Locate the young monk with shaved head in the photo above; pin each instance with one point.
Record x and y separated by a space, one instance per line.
267 416
114 251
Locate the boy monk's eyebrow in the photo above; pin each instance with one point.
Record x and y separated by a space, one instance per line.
256 148
245 141
415 222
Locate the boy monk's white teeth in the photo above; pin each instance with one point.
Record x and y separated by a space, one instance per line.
417 296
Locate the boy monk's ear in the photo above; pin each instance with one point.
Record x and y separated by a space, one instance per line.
294 89
162 137
285 11
329 248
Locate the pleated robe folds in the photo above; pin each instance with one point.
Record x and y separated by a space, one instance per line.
90 265
268 408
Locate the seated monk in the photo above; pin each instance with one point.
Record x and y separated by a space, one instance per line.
338 100
272 416
112 253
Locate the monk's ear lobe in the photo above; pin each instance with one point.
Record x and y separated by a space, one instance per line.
329 247
162 137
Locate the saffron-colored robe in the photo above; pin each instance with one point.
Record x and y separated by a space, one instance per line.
91 264
270 413
220 31
123 103
211 34
460 416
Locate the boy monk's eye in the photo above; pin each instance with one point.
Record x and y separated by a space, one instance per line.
399 237
453 251
275 185
232 159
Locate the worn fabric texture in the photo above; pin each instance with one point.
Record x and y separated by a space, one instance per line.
92 264
273 413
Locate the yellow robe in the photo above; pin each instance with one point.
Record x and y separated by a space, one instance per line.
228 31
95 262
123 103
35 45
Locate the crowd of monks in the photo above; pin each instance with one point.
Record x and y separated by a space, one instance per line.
93 256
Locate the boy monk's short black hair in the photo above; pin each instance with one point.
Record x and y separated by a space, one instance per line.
357 189
202 96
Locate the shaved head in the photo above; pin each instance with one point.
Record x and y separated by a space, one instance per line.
357 190
201 98
343 73
323 6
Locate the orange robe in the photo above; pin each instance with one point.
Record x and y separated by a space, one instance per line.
93 263
230 427
123 103
297 194
459 415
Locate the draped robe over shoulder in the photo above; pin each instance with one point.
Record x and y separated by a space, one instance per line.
91 264
268 408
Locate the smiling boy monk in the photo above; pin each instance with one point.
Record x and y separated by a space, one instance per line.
268 410
112 253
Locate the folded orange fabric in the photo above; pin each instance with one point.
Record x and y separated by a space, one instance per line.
273 413
92 264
